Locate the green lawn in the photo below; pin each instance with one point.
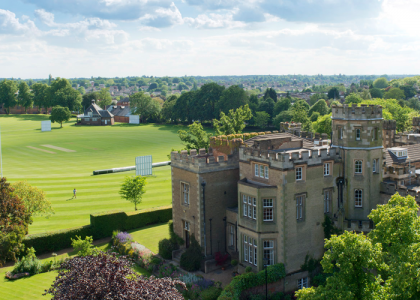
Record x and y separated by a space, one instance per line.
95 148
151 235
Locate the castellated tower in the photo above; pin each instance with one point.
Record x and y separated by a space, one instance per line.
357 132
388 133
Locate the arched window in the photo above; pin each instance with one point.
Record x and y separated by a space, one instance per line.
358 134
358 167
358 195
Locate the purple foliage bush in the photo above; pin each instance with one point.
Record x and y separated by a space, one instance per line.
205 283
123 237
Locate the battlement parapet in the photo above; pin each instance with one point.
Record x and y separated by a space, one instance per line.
203 162
416 121
287 160
391 188
389 125
363 112
402 139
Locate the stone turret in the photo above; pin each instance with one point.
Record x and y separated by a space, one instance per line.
389 128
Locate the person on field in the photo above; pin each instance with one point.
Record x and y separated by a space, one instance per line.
74 193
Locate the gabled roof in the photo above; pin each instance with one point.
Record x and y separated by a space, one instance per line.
97 111
121 111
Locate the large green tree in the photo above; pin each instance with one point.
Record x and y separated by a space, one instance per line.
270 93
195 137
334 93
380 83
34 199
350 258
60 114
14 221
320 106
104 97
261 119
144 106
353 98
282 105
133 190
233 122
42 95
207 97
25 97
232 98
87 99
394 93
8 89
184 109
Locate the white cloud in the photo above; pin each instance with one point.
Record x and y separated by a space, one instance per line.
9 24
153 44
213 21
46 17
163 17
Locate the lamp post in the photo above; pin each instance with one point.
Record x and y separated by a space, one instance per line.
265 260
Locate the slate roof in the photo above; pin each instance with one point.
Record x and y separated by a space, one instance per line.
413 152
120 111
306 143
97 111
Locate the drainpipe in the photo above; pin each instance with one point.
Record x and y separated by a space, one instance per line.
211 241
224 219
203 184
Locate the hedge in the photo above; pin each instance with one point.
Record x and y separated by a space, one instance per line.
246 281
101 226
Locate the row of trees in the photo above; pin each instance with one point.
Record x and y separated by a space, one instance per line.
59 93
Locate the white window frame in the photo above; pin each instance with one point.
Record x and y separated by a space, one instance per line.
340 133
250 251
327 201
257 170
358 134
268 246
255 253
358 198
302 283
245 205
232 236
261 171
187 226
266 172
326 169
249 207
299 173
245 249
358 164
268 207
254 208
185 190
299 207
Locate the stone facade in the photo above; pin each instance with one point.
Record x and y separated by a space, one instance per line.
268 196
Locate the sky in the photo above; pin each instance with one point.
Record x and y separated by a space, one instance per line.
118 38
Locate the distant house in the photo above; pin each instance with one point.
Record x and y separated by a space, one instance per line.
124 102
121 113
94 115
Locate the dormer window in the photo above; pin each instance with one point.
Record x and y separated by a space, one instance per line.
400 153
90 114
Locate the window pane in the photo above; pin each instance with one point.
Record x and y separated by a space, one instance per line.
266 171
261 171
256 170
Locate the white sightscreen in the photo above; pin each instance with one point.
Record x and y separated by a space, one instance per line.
144 165
45 125
134 119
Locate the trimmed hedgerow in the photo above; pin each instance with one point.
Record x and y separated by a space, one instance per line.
246 281
102 225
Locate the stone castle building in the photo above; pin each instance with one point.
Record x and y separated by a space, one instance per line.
267 197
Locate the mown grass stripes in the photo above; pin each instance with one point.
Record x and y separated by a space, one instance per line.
96 148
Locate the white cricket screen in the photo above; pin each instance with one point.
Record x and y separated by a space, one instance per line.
144 165
134 119
45 125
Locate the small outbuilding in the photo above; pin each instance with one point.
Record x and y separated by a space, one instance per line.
94 115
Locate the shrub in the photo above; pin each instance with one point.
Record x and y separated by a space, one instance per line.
211 293
205 283
123 237
28 264
165 248
168 271
85 246
248 269
234 262
191 259
246 281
